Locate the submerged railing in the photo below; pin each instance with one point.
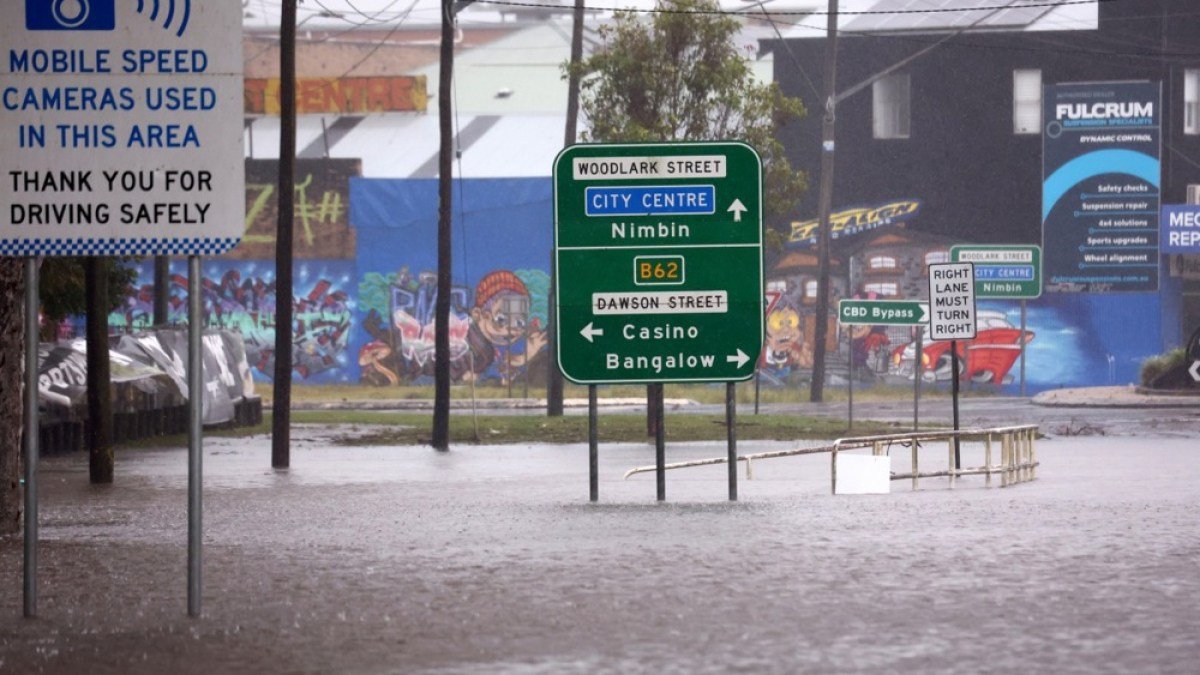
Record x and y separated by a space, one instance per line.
1018 455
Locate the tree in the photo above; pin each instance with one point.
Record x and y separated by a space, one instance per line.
679 76
12 324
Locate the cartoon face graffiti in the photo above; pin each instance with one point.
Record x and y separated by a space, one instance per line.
503 315
785 345
502 337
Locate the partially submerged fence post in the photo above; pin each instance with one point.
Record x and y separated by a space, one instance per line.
1018 457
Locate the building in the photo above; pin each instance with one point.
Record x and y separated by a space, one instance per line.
959 128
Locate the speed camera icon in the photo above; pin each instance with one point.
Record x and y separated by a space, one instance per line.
70 15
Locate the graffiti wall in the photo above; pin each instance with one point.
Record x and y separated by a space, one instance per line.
499 289
240 296
322 206
364 313
1083 340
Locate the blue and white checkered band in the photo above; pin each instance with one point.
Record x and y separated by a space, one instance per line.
116 247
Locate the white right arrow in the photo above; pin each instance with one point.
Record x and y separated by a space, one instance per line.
1194 371
738 208
588 332
740 358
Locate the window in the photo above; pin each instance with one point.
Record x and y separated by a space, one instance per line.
777 286
1191 102
1027 101
937 257
891 106
810 289
884 288
881 262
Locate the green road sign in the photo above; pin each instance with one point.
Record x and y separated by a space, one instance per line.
883 312
659 255
1013 272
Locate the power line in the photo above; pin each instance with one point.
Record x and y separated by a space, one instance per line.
667 10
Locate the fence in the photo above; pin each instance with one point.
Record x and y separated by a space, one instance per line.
1018 455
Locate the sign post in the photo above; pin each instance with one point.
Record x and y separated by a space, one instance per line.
659 253
884 313
952 300
1005 273
122 135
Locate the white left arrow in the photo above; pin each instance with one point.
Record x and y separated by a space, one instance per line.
740 358
588 332
1194 371
737 208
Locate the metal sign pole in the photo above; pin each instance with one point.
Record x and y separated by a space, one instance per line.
593 445
954 394
195 435
731 429
31 435
918 366
1023 341
660 444
850 376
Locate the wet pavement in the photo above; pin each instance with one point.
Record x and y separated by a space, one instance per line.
488 559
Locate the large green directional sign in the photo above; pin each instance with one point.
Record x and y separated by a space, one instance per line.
659 254
1004 271
882 312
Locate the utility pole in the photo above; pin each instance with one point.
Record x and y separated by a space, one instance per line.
554 381
441 321
825 200
825 204
281 418
101 460
162 289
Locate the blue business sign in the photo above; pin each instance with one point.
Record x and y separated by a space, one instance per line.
650 200
1101 151
1180 228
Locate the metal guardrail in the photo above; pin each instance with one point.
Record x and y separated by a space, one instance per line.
1018 455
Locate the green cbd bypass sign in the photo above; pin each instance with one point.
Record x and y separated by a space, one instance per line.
1003 272
882 312
659 255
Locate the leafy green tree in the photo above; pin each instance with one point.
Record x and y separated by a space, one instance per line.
62 291
678 76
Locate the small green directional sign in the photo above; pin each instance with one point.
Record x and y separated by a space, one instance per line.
1013 272
659 255
883 312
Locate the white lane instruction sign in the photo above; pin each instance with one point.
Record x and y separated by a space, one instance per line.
952 301
121 127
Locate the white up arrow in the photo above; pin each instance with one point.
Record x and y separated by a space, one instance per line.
737 208
740 358
1194 371
588 332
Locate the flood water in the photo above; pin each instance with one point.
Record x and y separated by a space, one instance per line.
491 560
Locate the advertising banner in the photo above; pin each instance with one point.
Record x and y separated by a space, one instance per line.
1101 158
1180 228
148 366
349 95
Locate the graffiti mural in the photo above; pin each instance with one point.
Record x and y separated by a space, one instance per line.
786 350
988 358
499 298
497 329
240 296
322 208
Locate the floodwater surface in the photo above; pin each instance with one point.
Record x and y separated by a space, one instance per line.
489 559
